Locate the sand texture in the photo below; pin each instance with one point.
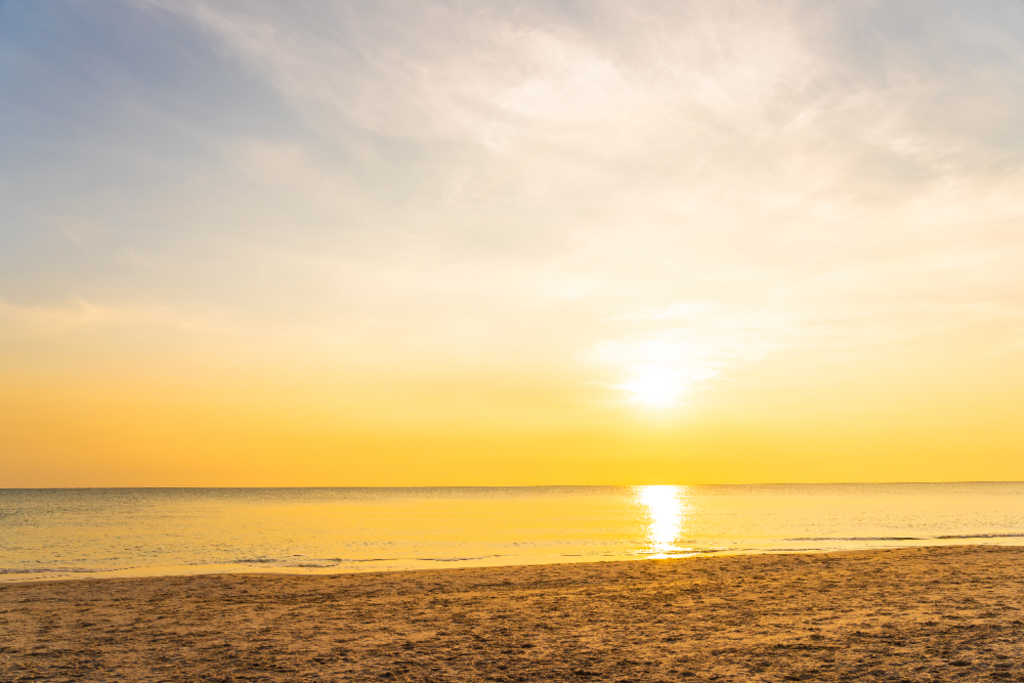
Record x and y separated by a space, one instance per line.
907 615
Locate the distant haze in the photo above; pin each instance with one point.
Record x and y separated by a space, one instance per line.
250 243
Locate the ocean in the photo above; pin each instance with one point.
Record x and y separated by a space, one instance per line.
78 533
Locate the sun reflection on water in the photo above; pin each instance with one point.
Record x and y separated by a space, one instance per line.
666 509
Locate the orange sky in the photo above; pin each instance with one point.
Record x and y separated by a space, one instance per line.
431 243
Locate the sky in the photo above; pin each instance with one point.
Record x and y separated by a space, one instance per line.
254 243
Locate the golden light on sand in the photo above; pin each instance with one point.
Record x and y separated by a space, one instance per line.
664 505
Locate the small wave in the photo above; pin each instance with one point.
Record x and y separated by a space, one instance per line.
373 559
52 570
968 536
854 539
860 539
304 563
680 552
335 561
463 559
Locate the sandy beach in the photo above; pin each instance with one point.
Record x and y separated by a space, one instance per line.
952 613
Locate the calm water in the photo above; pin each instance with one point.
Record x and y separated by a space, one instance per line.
123 532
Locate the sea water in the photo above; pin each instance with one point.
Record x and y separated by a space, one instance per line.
66 533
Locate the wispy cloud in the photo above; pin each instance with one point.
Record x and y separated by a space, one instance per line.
18 320
688 186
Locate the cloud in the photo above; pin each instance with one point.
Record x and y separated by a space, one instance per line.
690 185
57 320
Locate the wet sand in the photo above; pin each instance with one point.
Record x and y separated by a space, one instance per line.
954 613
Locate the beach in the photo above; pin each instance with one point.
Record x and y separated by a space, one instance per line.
938 613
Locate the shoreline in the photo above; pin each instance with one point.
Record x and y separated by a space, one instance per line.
926 613
402 565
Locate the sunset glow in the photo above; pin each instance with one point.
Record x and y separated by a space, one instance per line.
654 386
246 243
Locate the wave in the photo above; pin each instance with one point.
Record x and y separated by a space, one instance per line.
954 538
57 570
857 539
315 563
861 539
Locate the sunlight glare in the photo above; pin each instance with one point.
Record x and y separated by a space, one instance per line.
665 508
654 386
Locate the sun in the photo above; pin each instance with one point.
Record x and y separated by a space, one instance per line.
653 386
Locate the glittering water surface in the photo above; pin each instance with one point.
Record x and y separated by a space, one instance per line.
116 532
